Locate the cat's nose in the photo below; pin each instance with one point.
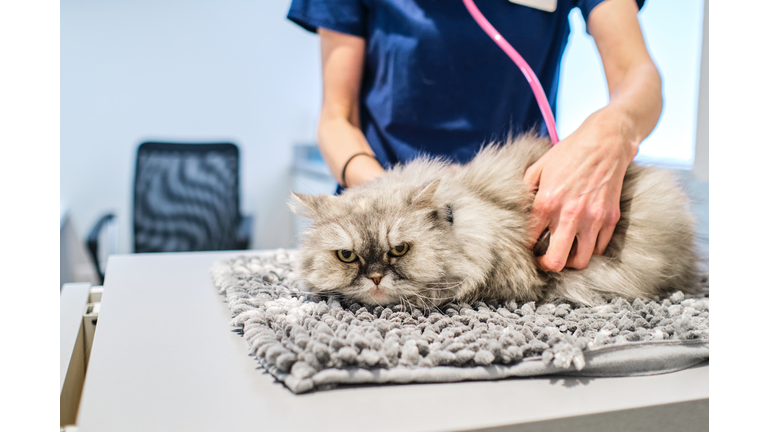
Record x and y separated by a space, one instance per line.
375 277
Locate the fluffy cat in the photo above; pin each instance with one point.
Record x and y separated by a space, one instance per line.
430 232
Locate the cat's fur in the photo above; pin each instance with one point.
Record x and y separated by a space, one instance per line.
481 253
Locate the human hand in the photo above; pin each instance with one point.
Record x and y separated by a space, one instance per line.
578 189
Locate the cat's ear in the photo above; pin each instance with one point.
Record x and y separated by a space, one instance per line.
306 205
427 193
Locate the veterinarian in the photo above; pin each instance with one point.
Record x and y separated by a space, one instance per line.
405 77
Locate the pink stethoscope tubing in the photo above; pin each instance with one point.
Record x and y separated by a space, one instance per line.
538 91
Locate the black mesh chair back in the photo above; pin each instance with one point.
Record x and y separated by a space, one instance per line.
186 197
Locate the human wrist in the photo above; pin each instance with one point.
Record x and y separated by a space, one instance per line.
618 128
359 168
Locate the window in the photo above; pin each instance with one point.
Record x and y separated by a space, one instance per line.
672 31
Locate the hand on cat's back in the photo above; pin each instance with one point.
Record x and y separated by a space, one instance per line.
578 188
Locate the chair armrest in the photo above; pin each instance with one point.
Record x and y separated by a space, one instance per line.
244 230
92 241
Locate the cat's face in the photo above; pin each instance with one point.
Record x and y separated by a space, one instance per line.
379 246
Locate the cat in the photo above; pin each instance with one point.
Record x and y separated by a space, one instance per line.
430 232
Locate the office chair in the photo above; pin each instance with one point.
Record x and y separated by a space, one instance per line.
186 197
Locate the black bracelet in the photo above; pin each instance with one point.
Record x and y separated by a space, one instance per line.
344 170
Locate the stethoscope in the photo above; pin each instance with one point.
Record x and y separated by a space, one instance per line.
533 80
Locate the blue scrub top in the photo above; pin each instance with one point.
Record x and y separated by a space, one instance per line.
434 82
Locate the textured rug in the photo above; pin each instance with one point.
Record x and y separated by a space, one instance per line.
316 343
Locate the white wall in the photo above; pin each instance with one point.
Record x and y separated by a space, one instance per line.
183 70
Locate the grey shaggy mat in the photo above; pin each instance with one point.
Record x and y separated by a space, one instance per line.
313 343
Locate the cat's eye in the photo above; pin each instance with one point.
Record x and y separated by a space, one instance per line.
346 256
399 250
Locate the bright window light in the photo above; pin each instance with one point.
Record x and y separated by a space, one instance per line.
672 32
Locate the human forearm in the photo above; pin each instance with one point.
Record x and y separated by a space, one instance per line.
339 140
339 136
633 81
635 105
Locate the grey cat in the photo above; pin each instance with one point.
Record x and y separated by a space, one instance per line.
430 232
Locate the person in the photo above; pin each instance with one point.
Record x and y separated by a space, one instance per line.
406 77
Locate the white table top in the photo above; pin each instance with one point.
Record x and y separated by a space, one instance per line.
166 358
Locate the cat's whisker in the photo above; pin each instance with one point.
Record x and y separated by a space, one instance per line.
374 300
425 299
455 285
404 302
410 305
449 282
438 286
433 298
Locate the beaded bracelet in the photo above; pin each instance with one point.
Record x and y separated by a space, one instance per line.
344 170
